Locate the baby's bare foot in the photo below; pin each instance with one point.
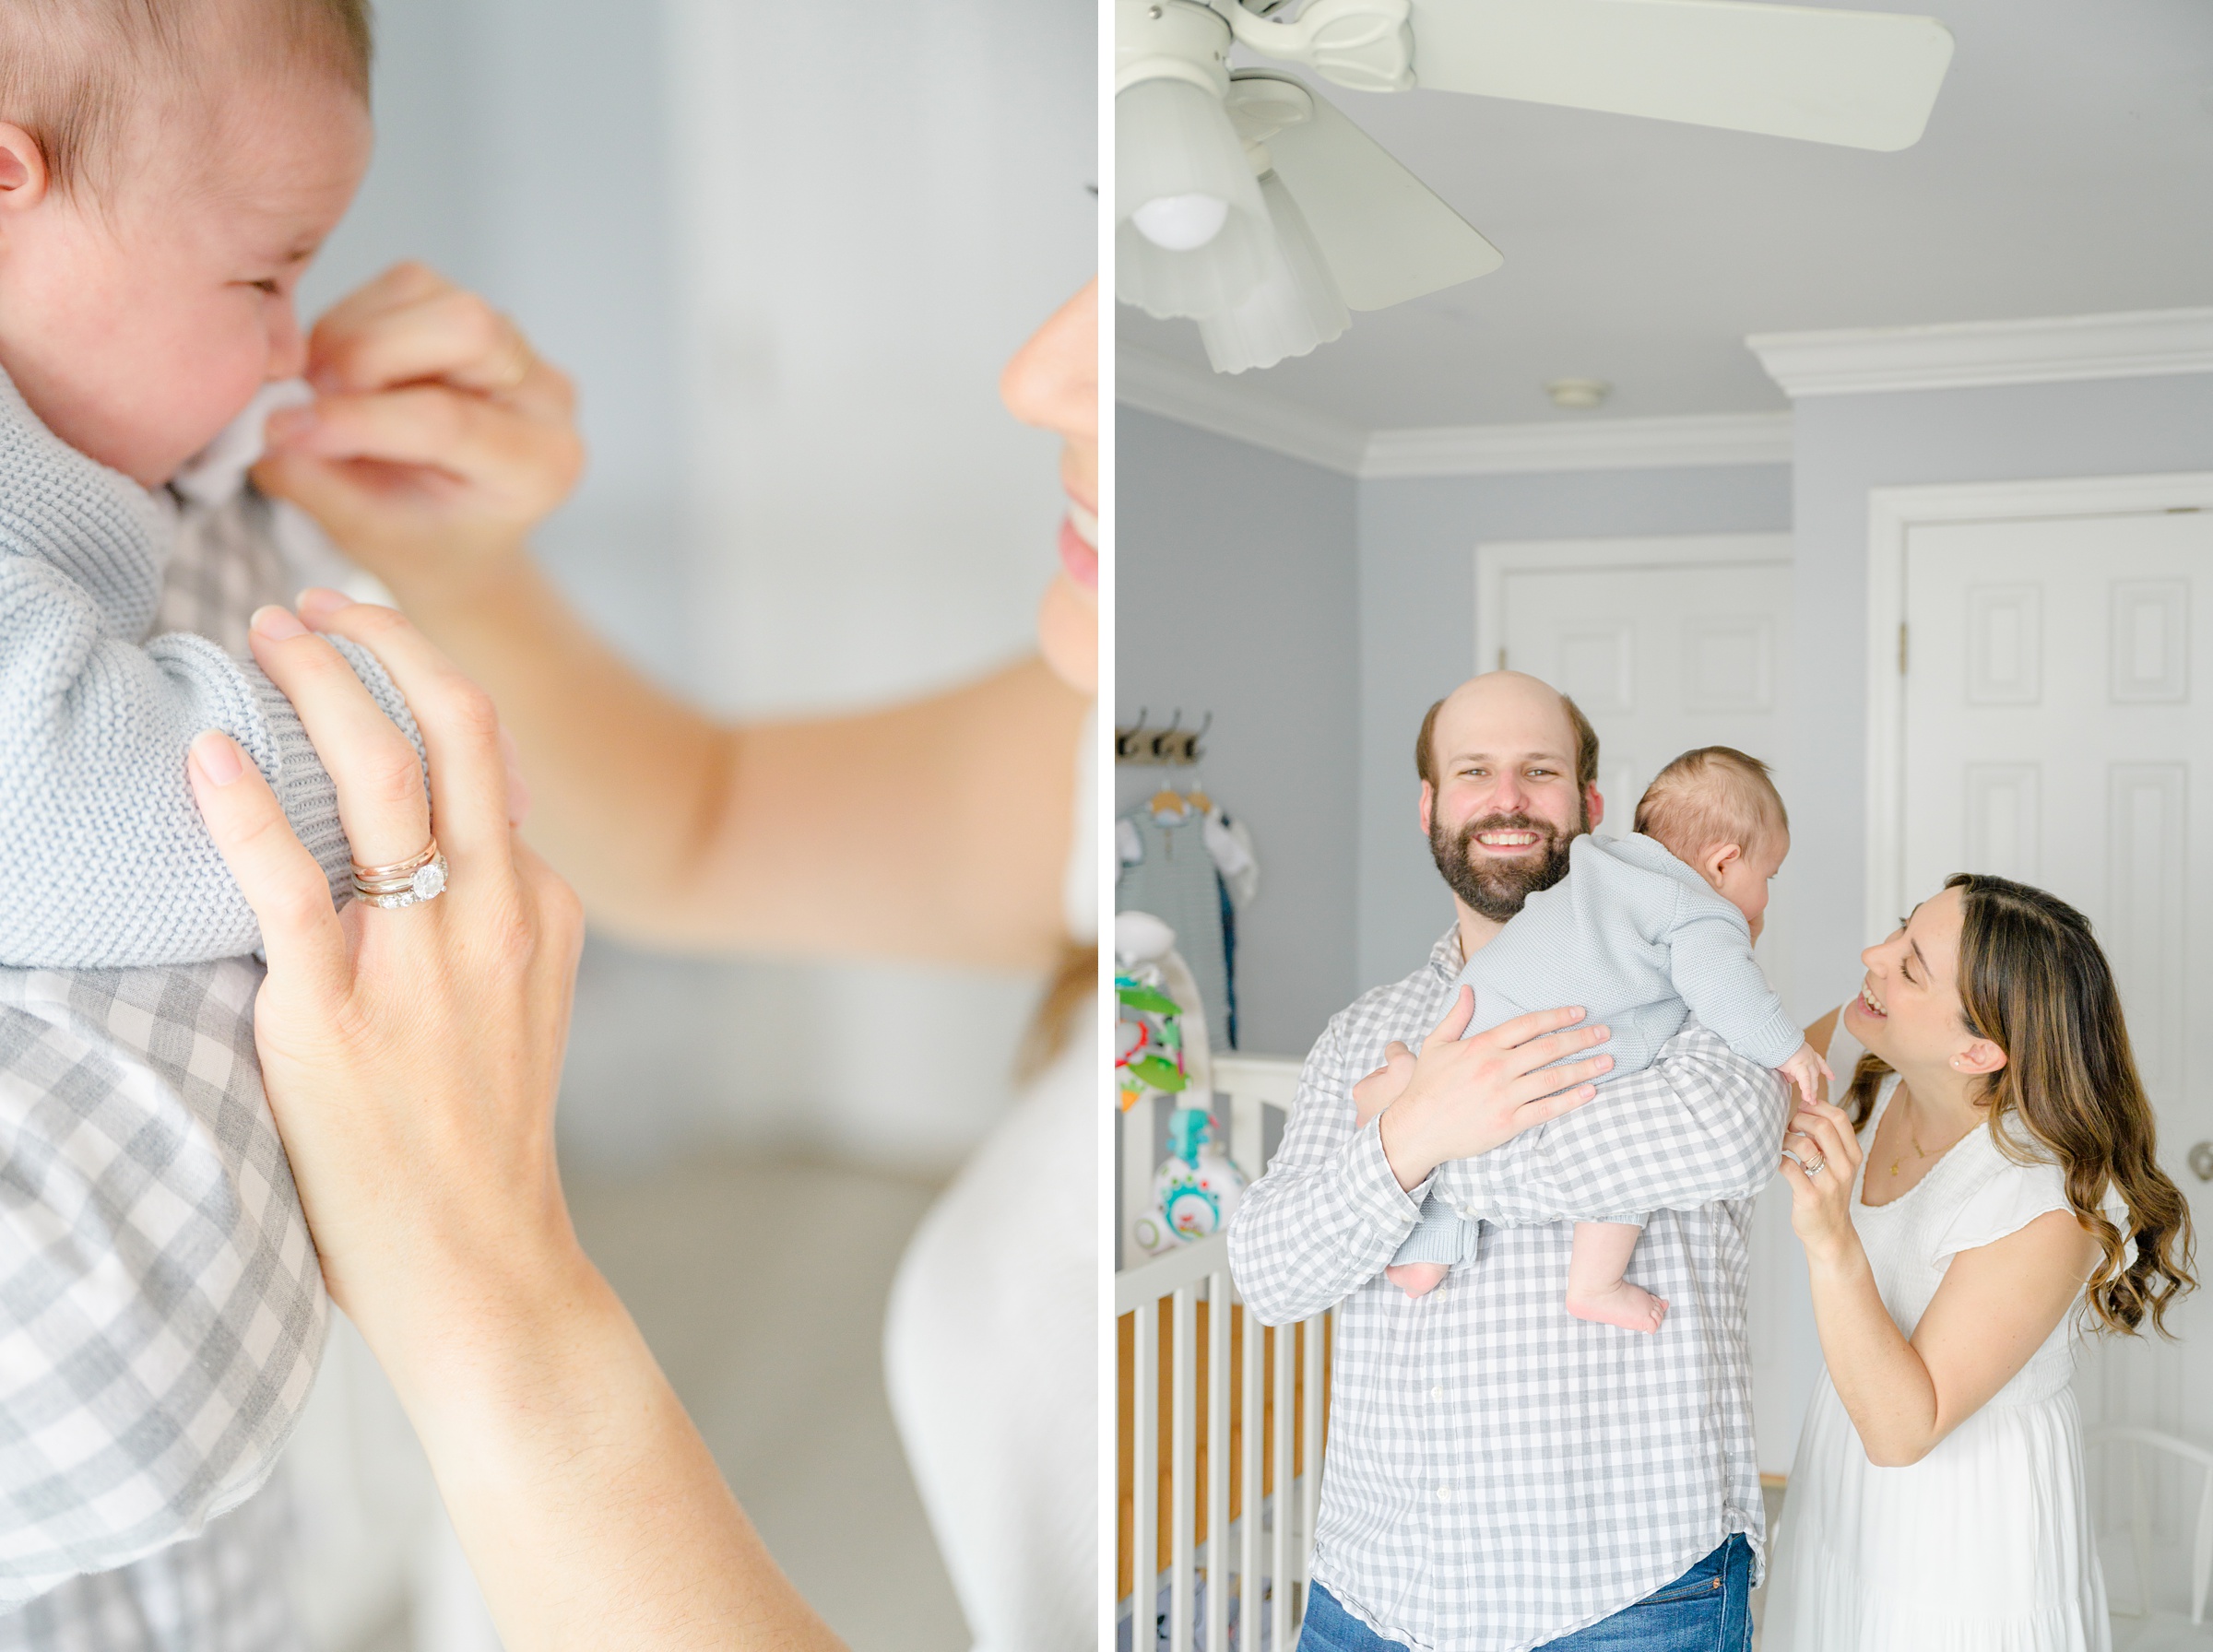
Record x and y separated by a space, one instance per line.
1417 1278
1619 1304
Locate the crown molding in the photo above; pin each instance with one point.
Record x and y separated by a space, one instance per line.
1153 383
1598 445
1957 355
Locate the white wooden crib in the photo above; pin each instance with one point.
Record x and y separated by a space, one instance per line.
1191 1543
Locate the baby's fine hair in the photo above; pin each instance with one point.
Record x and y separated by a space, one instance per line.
72 72
1715 794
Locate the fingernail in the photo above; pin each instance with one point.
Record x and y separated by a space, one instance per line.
317 603
277 624
216 758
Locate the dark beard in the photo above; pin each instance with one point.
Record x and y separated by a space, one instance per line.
1496 888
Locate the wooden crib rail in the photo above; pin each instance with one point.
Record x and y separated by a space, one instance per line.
1210 1374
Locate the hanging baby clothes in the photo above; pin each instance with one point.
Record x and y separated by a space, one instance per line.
1192 869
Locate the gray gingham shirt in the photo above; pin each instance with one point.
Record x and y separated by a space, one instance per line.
1498 1473
161 1307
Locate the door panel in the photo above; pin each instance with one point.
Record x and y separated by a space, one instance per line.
1662 657
2061 742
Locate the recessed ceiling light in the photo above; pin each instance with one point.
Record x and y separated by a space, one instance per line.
1581 395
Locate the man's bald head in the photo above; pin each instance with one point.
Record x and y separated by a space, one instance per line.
1518 701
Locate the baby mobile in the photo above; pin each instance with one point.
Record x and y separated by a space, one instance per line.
1161 1050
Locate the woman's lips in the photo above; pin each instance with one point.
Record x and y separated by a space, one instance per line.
1079 554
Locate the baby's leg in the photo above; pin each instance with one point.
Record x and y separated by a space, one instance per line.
1595 1288
1417 1278
1428 1252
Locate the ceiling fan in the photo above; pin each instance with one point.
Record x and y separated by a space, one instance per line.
1251 206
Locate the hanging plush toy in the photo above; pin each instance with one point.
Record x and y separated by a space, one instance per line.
1163 1051
1194 1191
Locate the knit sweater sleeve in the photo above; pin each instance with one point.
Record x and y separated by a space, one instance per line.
105 860
1709 958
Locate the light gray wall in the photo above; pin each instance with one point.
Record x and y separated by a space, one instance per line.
1846 446
1418 638
1238 595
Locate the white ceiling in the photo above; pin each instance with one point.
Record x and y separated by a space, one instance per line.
2067 170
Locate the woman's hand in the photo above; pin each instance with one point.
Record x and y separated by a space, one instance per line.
1467 1095
410 1057
438 438
1822 1163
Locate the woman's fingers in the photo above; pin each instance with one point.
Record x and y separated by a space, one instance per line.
431 426
378 776
447 335
280 880
460 728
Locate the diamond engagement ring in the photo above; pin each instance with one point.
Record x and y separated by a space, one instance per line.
1814 1168
406 883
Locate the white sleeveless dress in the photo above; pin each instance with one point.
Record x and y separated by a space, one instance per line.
1984 1545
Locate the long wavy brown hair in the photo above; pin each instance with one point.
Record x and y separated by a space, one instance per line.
2035 982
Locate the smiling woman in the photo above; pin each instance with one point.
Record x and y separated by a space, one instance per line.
1994 1173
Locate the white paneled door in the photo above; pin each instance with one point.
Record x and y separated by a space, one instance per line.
2057 675
1667 644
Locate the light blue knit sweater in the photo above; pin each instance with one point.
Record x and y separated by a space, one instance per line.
104 861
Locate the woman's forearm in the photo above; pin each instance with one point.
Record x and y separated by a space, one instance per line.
1881 1379
781 835
584 1499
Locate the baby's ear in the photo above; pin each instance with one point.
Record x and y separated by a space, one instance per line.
23 175
1718 859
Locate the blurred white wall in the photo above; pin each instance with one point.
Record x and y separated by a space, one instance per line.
784 250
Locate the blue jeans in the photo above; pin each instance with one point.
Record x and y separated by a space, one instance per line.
1706 1609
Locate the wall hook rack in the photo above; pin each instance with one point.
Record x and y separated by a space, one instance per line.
1173 745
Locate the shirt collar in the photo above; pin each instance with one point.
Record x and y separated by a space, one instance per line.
1446 958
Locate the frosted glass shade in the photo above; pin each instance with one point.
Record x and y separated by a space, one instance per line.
1175 153
1294 306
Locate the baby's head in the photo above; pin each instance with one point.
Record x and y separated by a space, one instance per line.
1716 810
167 170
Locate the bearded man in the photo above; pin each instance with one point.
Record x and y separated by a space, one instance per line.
1501 1476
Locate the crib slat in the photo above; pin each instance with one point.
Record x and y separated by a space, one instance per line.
1245 1126
1309 1498
1183 1469
1144 1481
1279 1601
1138 1164
1251 1456
1218 1467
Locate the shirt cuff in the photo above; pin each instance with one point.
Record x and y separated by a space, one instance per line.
1372 1188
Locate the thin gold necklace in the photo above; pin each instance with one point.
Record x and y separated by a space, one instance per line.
1919 1151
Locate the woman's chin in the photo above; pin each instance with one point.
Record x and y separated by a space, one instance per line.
1865 1025
1068 633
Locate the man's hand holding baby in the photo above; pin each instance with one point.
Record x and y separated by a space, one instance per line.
1465 1096
438 439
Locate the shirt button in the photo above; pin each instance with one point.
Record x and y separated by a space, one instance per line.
1443 1495
1437 1393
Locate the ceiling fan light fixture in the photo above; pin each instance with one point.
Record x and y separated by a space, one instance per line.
1294 307
1181 223
1191 234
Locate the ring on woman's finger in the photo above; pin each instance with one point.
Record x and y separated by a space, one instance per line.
1811 1166
404 883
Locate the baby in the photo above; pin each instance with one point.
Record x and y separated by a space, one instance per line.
1643 932
167 170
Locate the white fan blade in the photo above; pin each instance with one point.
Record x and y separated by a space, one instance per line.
1384 234
1863 78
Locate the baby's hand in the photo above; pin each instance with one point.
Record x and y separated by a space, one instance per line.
1804 1069
1384 1086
